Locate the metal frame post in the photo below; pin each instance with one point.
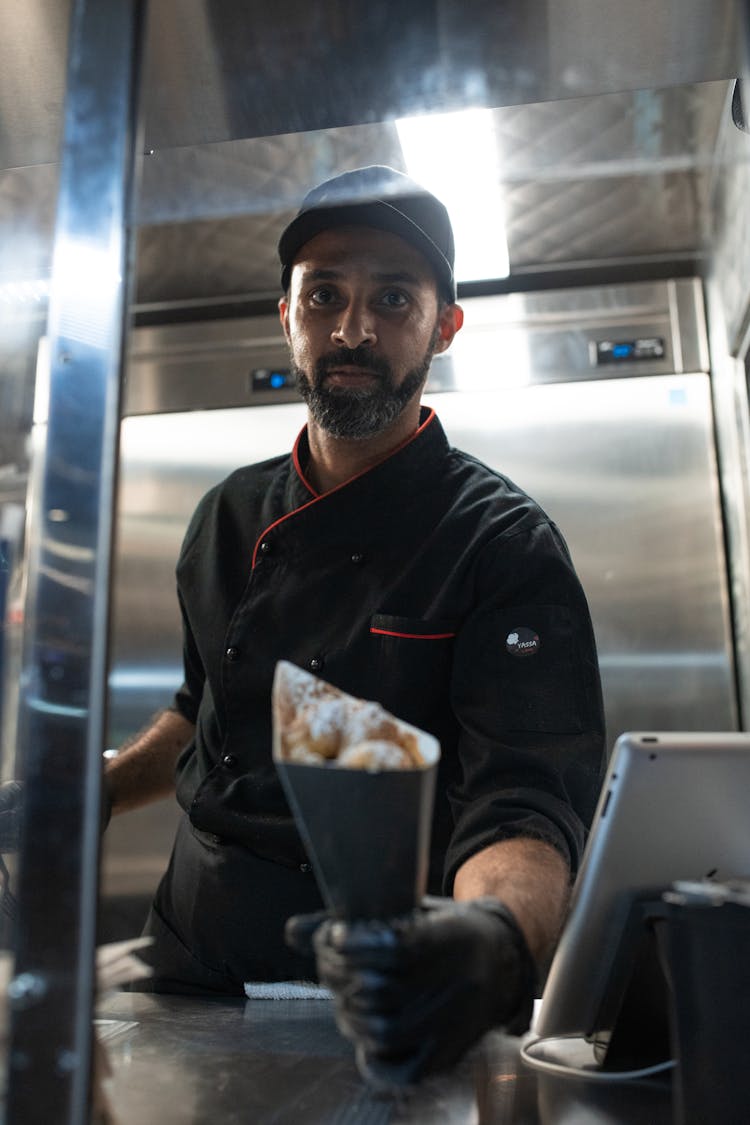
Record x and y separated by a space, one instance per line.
63 684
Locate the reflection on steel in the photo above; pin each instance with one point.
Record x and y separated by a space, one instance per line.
199 88
508 340
285 1061
61 714
728 302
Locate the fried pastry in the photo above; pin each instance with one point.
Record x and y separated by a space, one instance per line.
375 754
318 724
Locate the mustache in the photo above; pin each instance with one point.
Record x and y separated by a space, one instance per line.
354 357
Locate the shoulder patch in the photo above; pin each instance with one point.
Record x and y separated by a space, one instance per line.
522 641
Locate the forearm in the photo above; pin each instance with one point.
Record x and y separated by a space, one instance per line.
143 770
531 878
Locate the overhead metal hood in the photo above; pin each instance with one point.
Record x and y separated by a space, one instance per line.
220 70
606 117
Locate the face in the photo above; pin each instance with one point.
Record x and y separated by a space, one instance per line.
363 320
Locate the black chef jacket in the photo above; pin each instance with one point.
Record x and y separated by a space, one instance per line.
429 583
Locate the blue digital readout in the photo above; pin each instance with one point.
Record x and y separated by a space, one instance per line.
623 351
271 379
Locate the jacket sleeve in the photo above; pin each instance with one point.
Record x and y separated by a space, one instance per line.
527 697
187 698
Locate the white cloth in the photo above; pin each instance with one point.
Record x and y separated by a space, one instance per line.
286 990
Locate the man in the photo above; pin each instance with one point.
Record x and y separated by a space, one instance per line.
400 570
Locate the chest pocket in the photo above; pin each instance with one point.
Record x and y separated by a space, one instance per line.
413 662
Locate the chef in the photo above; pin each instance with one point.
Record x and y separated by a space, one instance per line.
401 570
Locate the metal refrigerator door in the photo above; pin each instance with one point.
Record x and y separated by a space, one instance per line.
627 468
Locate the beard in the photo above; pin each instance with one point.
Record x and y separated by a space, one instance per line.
360 412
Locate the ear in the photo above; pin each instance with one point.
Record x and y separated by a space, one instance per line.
450 319
284 314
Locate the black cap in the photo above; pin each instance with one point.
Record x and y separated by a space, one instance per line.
377 197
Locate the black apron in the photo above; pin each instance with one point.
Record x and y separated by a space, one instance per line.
218 918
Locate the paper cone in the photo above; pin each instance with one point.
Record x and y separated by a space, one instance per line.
367 833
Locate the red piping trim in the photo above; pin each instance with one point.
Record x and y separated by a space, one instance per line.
276 523
412 636
321 495
298 465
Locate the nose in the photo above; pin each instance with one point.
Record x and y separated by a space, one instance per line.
355 328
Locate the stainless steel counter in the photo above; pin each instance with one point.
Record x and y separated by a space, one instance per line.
178 1060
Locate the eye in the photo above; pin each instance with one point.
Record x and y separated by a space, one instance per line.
323 295
395 299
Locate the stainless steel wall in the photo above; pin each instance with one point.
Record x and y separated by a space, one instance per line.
621 456
728 301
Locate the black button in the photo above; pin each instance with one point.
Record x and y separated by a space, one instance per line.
316 664
358 557
232 653
229 760
304 867
265 547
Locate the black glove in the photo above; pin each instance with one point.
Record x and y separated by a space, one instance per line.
415 993
11 800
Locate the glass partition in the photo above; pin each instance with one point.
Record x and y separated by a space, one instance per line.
34 43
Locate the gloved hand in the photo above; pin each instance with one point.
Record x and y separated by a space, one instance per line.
416 992
11 797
